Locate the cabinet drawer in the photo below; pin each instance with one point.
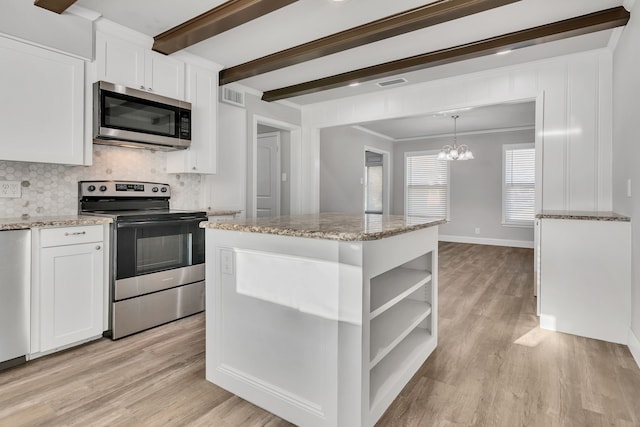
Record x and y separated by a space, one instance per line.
71 235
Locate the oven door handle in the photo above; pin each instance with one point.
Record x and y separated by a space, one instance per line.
181 221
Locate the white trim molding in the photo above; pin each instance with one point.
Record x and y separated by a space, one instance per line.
486 241
634 346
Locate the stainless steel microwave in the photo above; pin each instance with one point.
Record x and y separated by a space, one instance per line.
136 118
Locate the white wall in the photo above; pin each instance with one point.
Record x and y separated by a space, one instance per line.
342 167
256 108
475 190
227 188
231 187
626 150
67 33
575 123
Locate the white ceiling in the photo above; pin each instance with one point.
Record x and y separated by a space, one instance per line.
470 120
307 20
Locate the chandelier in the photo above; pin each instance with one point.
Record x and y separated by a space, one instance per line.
455 152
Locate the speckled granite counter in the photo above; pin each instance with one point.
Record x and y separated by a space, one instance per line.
331 226
51 221
583 215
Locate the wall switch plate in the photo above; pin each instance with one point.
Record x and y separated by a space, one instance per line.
10 189
628 188
477 230
284 177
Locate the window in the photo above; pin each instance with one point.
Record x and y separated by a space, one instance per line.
374 182
518 185
427 185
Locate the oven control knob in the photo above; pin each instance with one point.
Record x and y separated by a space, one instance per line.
103 188
91 188
154 189
163 189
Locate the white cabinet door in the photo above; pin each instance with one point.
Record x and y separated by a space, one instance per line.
131 65
119 61
202 93
71 292
42 109
164 75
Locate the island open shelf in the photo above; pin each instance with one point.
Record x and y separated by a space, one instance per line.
320 331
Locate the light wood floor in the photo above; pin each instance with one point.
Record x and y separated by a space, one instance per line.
493 367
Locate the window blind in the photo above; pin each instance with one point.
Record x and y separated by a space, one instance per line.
519 184
427 185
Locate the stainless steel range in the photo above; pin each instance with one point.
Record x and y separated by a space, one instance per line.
157 254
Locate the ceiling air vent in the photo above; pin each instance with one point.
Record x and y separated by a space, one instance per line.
391 82
231 96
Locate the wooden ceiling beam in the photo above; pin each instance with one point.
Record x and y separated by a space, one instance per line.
410 20
215 21
57 6
593 22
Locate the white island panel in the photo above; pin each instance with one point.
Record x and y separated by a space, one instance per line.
288 322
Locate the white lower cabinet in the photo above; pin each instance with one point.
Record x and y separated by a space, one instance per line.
585 278
68 287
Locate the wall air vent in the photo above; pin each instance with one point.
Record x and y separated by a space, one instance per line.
232 96
391 82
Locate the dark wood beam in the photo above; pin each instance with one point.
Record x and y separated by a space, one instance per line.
215 21
598 21
57 6
390 26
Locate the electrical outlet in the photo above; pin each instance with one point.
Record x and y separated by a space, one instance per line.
10 189
226 261
477 230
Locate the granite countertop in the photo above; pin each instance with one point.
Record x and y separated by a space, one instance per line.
331 226
584 215
221 212
51 221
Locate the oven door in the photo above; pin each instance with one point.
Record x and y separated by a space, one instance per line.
153 255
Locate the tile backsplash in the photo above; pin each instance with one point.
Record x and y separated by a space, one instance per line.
52 190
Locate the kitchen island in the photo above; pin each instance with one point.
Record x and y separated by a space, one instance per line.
321 319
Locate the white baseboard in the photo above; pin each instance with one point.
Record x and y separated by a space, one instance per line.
634 346
486 241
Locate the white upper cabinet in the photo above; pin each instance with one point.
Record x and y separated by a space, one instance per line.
122 62
163 75
42 113
202 93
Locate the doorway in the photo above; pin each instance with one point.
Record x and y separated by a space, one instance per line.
376 181
268 175
271 189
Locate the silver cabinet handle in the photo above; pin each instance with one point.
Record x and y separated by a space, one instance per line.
98 247
141 87
75 233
